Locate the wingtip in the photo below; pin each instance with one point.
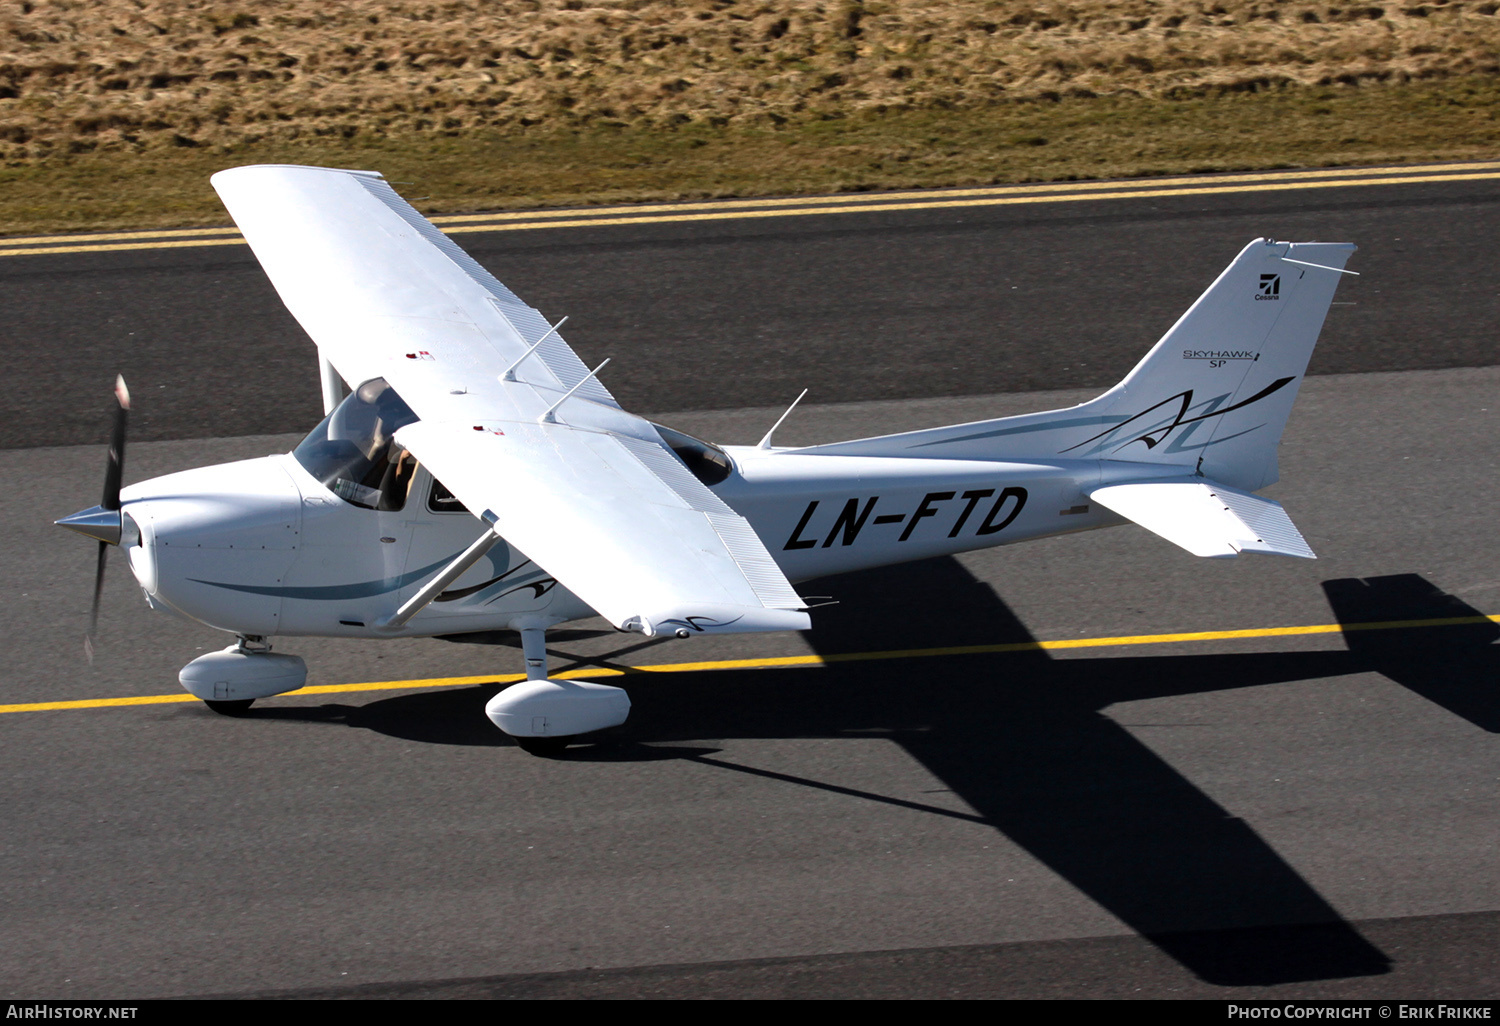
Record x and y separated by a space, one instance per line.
122 393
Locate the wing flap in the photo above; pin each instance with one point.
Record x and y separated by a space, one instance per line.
1207 518
744 545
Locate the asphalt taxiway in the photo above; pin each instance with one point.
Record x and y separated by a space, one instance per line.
1144 775
1274 813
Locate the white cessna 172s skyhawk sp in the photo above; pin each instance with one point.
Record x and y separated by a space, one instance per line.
480 477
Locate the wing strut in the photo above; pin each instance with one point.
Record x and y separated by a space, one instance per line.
450 573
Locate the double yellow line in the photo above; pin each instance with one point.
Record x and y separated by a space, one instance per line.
779 662
862 203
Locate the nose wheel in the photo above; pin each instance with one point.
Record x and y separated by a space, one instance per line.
230 708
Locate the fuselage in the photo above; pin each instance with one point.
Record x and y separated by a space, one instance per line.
262 547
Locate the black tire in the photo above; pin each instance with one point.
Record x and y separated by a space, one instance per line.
238 707
546 747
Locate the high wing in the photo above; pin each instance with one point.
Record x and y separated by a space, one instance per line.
590 492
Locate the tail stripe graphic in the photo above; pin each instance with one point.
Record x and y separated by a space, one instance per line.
1156 435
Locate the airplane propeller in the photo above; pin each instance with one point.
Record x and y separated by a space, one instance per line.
105 522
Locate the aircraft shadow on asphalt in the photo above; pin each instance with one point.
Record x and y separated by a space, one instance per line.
1452 666
1022 739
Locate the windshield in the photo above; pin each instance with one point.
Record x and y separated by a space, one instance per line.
353 454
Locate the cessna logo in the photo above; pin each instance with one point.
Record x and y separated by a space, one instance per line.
1270 287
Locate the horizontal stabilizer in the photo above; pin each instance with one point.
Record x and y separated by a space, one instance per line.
1207 518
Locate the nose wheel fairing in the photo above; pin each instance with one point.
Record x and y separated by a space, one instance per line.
242 673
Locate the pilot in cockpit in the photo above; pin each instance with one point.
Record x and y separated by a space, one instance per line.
353 452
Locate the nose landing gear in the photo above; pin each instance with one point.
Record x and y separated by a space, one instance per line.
230 681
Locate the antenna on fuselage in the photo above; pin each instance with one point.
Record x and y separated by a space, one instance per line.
550 416
765 443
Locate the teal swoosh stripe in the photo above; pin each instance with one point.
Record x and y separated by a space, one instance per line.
1051 425
364 589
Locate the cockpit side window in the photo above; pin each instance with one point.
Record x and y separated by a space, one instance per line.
441 500
353 453
707 461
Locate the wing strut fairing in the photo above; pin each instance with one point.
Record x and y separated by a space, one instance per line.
510 419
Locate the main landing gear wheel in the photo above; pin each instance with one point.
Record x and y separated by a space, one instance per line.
550 747
545 716
238 707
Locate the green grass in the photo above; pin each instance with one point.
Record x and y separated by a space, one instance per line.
1045 140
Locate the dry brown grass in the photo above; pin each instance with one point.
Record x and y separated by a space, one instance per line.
114 112
1073 137
126 76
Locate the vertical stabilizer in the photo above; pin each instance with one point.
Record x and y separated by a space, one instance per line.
1212 396
1221 383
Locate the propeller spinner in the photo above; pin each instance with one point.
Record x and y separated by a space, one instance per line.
105 522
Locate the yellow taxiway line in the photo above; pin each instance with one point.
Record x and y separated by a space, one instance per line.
776 662
1123 187
992 201
803 206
